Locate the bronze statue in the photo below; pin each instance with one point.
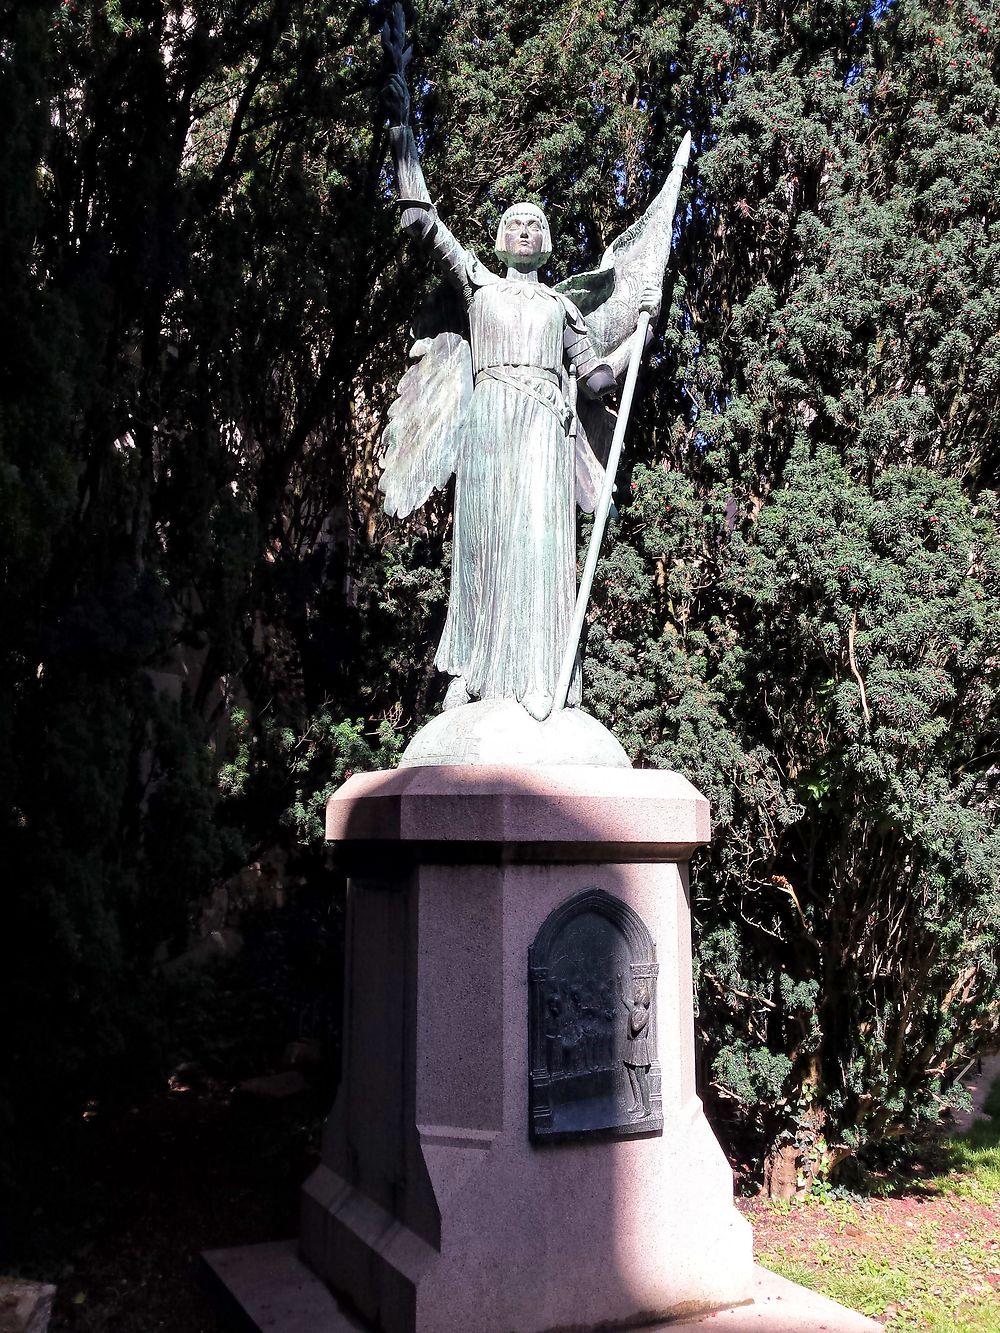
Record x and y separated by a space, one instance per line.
511 399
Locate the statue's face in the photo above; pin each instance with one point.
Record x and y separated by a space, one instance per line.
523 241
522 237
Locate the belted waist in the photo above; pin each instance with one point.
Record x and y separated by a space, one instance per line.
533 382
515 371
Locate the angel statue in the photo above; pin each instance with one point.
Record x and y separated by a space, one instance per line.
509 393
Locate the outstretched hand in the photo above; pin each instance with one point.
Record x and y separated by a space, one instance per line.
395 93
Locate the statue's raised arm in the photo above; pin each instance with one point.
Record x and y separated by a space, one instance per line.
418 215
422 439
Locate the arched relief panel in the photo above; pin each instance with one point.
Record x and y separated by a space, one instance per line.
592 1057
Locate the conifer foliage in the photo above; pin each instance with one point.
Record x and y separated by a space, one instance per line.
207 621
802 613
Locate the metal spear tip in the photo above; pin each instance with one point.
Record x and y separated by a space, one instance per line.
684 152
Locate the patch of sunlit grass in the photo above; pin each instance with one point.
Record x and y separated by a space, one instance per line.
924 1265
912 1282
973 1161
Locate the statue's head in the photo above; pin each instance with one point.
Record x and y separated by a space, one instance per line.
523 237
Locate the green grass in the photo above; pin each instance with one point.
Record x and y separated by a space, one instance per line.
869 1291
929 1271
972 1161
869 1286
922 1285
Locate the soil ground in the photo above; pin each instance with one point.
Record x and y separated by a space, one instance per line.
923 1253
914 1260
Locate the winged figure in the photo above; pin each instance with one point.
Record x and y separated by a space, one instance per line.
509 392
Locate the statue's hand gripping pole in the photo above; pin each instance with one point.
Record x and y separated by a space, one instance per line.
607 490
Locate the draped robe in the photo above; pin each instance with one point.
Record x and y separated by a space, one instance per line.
513 577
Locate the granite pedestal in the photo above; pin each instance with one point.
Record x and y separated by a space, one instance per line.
434 1208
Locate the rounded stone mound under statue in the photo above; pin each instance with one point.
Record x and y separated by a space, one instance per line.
500 731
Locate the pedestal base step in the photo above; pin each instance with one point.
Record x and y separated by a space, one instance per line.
270 1290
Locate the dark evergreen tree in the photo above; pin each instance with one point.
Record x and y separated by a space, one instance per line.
802 612
204 305
191 236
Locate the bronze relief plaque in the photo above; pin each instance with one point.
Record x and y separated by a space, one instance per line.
592 1055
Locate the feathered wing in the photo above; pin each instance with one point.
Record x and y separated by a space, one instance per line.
608 297
424 434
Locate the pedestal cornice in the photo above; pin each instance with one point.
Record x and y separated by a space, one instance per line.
503 812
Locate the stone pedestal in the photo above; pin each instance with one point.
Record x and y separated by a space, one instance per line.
436 1206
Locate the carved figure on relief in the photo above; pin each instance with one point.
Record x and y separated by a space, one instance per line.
508 392
637 1056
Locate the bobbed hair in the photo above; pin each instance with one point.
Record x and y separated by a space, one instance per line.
533 211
